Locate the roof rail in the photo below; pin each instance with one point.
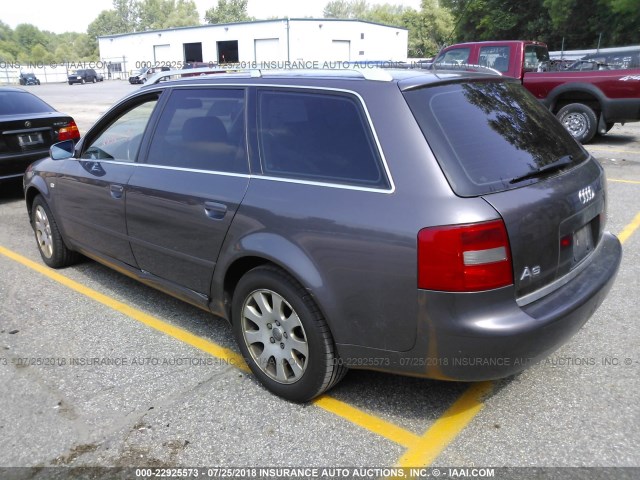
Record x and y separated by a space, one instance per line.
374 73
368 73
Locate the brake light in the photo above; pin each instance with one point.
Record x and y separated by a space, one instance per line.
464 258
69 132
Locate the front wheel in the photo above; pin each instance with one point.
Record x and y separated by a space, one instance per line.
579 120
282 335
50 243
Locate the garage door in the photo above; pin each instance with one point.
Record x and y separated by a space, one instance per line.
161 53
341 50
267 49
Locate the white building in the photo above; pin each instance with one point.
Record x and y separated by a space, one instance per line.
269 41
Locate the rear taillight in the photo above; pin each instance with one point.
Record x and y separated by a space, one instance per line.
464 258
69 132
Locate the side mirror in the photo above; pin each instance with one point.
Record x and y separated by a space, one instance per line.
62 150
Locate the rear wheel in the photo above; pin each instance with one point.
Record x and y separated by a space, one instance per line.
282 335
579 120
50 243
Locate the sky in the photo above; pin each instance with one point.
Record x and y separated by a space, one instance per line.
76 15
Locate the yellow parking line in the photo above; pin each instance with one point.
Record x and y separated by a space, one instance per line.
447 427
461 413
207 346
421 450
358 417
629 229
369 422
617 180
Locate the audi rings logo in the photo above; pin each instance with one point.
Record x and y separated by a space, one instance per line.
586 195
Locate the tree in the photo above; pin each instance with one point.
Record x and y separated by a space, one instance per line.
185 14
354 9
428 28
160 14
228 11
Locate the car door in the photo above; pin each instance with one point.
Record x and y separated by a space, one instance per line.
92 190
181 200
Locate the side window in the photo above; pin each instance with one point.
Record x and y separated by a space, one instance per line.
202 129
121 139
495 57
317 136
535 58
455 56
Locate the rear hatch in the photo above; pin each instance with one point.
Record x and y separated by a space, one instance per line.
494 140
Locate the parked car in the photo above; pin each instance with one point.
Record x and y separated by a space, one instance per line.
28 127
438 225
84 75
28 79
142 75
586 102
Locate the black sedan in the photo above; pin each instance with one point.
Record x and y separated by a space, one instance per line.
28 127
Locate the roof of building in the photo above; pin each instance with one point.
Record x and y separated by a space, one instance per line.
276 20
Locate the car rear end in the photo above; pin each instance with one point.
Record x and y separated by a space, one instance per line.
28 127
501 293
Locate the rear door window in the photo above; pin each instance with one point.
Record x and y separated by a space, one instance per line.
486 134
318 137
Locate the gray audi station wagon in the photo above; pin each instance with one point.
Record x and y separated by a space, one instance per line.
442 225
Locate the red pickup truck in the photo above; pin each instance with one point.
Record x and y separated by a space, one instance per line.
586 102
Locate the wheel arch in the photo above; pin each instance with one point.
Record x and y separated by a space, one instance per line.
37 187
256 250
584 93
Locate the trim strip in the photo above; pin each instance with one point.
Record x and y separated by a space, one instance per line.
551 287
284 86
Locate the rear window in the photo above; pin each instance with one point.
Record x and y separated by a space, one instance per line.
17 103
484 134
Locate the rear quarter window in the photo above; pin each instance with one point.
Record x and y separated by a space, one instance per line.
485 133
318 137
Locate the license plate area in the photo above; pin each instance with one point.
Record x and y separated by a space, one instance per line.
30 139
582 243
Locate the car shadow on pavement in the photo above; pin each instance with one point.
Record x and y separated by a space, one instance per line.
11 190
411 403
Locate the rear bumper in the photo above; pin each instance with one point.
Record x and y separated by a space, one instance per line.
622 110
486 335
14 165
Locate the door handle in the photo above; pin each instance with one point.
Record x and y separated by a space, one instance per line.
116 191
215 210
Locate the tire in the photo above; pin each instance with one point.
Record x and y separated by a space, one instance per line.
70 83
282 335
94 80
579 120
83 81
50 243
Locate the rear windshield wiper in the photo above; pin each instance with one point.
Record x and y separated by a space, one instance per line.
550 167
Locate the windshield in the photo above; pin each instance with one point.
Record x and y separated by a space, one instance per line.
486 133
